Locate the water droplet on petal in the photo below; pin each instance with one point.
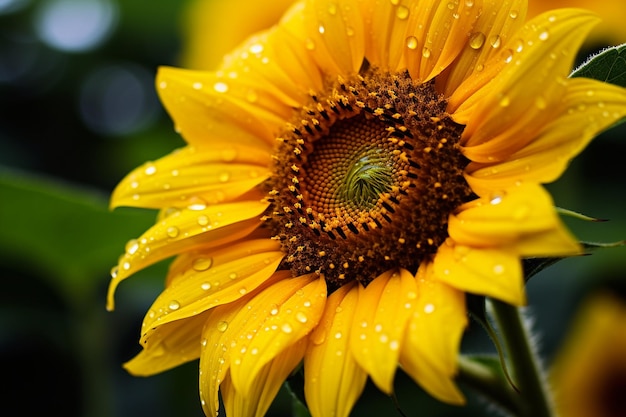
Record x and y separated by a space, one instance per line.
505 100
233 275
114 272
332 9
495 41
222 326
426 52
224 176
220 87
477 40
243 290
544 35
132 246
150 169
197 86
202 264
174 305
495 199
321 29
309 44
429 308
126 266
402 12
203 220
513 14
411 42
286 327
172 231
498 269
205 286
256 48
301 317
274 310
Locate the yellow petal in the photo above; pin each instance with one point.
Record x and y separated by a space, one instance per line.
273 60
436 34
493 29
385 32
216 278
332 33
269 380
218 174
333 379
492 272
209 108
170 346
271 322
586 109
336 31
185 230
429 354
380 320
519 217
525 94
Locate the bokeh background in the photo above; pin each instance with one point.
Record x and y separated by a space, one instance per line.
77 112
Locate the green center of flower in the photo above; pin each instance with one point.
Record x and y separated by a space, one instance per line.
365 179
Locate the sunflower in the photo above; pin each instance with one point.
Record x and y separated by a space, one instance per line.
349 174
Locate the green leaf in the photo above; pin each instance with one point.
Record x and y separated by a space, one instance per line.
608 66
63 232
532 266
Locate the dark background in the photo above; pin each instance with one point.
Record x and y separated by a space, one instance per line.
77 112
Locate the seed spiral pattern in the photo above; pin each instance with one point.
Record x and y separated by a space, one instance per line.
365 178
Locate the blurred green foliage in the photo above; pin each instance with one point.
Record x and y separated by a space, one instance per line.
58 239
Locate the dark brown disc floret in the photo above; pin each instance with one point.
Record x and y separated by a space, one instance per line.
365 178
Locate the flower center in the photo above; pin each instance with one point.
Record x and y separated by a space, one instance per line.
365 178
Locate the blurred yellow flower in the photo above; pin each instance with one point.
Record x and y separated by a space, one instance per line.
589 374
349 174
612 30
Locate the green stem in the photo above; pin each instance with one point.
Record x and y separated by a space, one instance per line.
535 397
489 383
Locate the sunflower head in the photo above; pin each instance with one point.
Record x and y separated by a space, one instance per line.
350 173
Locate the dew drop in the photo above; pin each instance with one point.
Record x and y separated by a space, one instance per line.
469 3
132 246
544 35
286 328
350 31
429 308
204 342
126 266
508 56
498 269
222 326
114 272
233 275
224 176
477 40
402 12
301 317
254 351
513 14
332 9
252 96
394 345
150 169
309 44
202 264
321 29
203 220
243 290
174 305
411 42
256 48
338 335
505 101
274 310
495 199
172 231
220 87
196 204
163 84
197 86
426 52
495 41
205 286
